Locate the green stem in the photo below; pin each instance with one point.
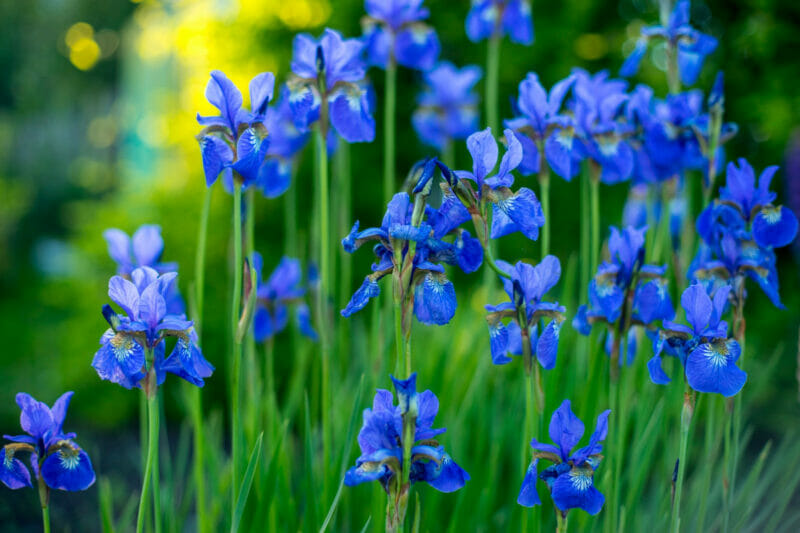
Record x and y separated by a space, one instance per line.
196 400
544 184
585 230
492 72
561 522
152 451
290 216
594 183
44 499
325 279
448 154
686 423
237 345
253 406
389 181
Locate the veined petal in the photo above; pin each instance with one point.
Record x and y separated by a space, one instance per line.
498 341
124 293
711 367
774 227
35 417
566 429
483 148
119 247
417 47
369 289
528 496
575 490
435 300
13 472
657 374
547 345
351 115
68 468
524 209
447 476
147 245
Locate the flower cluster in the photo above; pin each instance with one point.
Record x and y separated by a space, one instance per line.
525 287
448 108
328 82
274 296
570 479
411 246
706 353
740 231
382 437
625 291
394 31
136 341
54 455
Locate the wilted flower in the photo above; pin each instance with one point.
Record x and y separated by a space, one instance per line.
54 454
570 479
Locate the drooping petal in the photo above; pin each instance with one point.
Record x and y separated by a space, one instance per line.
365 472
524 209
13 472
774 227
304 322
560 152
68 468
351 116
369 289
657 374
517 21
274 177
186 361
711 367
528 496
691 56
261 89
447 476
547 345
435 300
631 64
575 490
120 360
251 150
498 342
598 436
417 47
216 155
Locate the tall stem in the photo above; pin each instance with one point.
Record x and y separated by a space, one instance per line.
152 451
544 184
492 72
290 215
389 181
44 499
561 522
237 345
448 154
534 404
196 400
686 422
325 277
594 182
585 230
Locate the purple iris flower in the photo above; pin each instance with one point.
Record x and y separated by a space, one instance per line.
143 249
500 17
434 296
598 108
540 126
395 29
707 354
143 328
284 288
381 442
740 231
332 68
570 479
512 211
285 141
692 45
526 287
448 107
235 140
54 454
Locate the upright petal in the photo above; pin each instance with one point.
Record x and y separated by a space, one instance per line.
417 47
517 21
223 94
598 436
124 293
566 429
59 411
35 417
119 247
483 148
148 245
698 307
261 89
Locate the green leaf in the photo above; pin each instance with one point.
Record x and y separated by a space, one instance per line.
247 482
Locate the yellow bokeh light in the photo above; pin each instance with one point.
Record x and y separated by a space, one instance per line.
84 53
591 46
102 132
304 13
77 32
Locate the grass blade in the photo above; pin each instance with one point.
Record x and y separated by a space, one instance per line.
247 482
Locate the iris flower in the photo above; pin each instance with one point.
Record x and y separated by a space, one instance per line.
275 295
395 29
502 17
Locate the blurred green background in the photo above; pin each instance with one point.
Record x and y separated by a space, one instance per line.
97 105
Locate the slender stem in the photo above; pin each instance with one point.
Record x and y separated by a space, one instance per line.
534 404
156 475
196 400
152 450
237 346
686 422
253 405
561 522
585 230
491 261
544 184
594 183
44 499
389 181
290 216
448 154
399 363
325 280
492 71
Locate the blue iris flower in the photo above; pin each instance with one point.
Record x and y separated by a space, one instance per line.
570 479
500 17
625 288
740 230
448 107
692 45
54 454
283 288
706 353
143 249
235 140
599 123
381 442
434 295
526 287
395 29
512 211
145 325
542 127
285 141
332 68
